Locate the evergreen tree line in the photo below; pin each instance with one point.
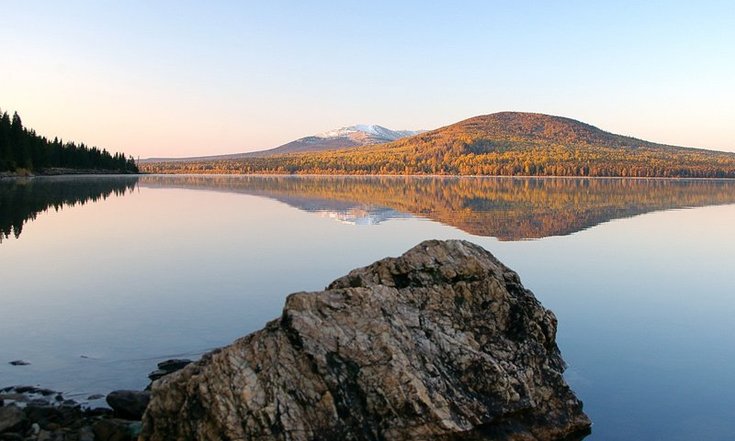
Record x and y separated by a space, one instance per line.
22 148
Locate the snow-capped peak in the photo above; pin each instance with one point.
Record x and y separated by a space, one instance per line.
372 130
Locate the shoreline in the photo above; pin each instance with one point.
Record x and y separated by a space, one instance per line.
71 172
307 175
35 413
62 172
38 413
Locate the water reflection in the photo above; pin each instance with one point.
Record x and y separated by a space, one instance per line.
21 200
505 208
644 305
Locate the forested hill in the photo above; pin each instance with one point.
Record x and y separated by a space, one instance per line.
21 149
506 143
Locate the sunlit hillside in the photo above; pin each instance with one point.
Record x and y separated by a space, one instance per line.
507 143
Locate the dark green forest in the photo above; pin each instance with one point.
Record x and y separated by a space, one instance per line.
21 149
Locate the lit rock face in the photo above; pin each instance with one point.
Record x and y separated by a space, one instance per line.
442 343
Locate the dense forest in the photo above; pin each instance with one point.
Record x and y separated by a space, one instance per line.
21 149
501 144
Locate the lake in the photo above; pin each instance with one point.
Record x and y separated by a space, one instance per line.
102 277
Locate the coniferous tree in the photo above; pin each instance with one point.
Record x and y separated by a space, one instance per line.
22 148
19 143
6 162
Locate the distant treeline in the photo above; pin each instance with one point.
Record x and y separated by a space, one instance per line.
23 149
534 160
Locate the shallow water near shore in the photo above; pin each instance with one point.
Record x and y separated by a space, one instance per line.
102 277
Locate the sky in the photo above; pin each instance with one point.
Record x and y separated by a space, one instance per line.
191 78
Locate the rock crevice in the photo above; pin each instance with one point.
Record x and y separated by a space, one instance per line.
441 343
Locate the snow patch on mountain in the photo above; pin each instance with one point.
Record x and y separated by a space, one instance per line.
372 130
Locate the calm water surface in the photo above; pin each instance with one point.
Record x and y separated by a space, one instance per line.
101 277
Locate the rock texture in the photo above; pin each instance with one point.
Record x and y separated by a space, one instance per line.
442 343
128 404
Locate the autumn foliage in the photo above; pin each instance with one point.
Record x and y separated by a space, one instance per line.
501 144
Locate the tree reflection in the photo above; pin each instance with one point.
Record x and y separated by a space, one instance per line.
21 200
505 208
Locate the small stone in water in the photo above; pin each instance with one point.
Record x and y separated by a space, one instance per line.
20 363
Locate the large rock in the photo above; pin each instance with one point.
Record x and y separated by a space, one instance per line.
442 343
128 404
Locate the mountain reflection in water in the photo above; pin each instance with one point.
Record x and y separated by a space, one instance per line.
505 208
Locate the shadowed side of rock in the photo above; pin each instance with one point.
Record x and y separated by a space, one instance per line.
441 343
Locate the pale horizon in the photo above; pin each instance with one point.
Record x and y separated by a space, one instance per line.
172 79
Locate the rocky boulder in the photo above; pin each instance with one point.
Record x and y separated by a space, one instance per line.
128 404
442 343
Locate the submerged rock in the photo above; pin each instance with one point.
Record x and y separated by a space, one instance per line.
442 343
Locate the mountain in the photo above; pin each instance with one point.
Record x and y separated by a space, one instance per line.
505 143
358 135
352 136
